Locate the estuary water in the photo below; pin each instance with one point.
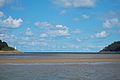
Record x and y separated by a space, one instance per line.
96 56
61 71
76 71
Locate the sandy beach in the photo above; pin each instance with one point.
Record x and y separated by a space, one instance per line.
63 58
10 52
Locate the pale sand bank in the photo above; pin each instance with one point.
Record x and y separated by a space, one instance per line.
55 60
58 58
10 52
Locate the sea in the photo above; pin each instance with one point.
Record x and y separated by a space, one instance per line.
61 71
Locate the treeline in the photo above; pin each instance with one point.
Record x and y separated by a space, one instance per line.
4 46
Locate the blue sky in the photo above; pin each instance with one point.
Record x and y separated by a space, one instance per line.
59 25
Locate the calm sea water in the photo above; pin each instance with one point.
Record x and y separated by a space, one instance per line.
16 56
66 71
80 71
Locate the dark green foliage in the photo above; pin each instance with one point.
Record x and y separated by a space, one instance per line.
114 47
0 41
7 48
4 44
0 44
4 47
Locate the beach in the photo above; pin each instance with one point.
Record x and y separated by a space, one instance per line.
68 60
57 58
10 52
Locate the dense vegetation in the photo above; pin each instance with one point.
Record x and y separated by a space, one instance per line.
114 47
4 46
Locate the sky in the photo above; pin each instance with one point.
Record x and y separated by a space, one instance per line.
59 25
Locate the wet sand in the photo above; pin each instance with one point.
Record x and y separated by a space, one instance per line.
64 60
59 58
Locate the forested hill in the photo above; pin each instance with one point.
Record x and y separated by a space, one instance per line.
114 47
4 46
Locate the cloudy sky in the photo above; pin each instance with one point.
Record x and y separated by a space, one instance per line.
59 25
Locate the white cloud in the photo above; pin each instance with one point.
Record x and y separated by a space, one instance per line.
42 24
28 41
53 30
84 16
11 23
11 39
102 34
28 32
60 30
75 3
1 14
111 23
